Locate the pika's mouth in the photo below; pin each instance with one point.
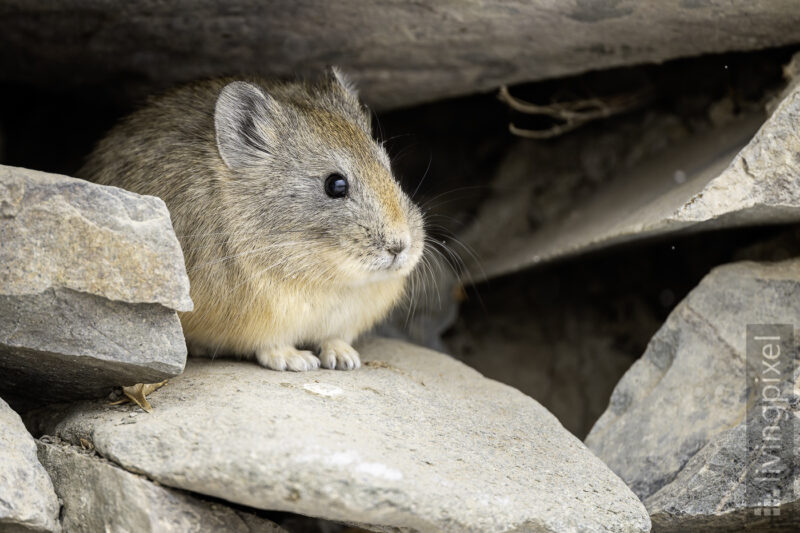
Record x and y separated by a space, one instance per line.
388 263
402 262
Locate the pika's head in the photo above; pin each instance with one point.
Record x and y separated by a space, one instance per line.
315 190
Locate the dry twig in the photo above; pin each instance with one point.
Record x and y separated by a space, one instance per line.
572 114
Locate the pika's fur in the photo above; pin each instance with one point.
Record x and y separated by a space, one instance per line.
282 266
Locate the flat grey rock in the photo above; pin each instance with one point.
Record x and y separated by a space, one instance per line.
412 440
401 53
679 407
733 175
99 496
91 278
27 500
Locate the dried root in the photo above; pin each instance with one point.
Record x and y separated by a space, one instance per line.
571 115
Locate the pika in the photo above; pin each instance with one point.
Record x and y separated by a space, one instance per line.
296 236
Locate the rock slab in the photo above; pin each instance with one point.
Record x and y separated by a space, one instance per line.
737 174
401 53
99 496
413 440
91 278
673 429
27 500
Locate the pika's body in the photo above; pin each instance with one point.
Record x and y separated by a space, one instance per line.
296 236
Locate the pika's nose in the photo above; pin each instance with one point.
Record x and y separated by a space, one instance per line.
397 247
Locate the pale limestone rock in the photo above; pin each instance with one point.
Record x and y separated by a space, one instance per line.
91 278
400 53
413 440
99 496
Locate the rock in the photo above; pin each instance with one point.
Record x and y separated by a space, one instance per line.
679 407
56 223
400 53
91 279
709 492
712 180
413 440
27 499
99 496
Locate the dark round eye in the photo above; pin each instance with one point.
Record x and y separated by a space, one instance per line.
336 186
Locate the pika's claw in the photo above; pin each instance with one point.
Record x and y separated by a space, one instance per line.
337 354
287 358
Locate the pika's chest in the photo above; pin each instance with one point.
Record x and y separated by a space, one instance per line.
345 313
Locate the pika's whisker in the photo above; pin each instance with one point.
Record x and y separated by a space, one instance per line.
425 206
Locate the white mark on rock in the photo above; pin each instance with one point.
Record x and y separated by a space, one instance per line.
379 470
323 389
341 458
351 460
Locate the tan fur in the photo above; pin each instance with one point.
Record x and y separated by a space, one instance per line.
260 291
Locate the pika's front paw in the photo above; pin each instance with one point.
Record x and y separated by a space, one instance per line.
287 358
335 353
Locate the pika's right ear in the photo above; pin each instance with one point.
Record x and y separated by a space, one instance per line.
242 118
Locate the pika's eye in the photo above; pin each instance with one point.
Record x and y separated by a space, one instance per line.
336 186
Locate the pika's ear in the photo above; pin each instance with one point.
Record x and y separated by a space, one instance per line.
343 80
360 112
242 117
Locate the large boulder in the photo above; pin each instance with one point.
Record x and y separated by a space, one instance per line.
740 172
27 500
91 278
99 496
674 426
401 53
413 440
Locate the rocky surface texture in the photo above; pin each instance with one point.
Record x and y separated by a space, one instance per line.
27 500
684 401
92 277
711 180
413 440
99 496
401 53
708 493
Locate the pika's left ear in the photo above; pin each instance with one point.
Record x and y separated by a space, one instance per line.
343 80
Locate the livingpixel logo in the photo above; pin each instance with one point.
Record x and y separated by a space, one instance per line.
771 417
